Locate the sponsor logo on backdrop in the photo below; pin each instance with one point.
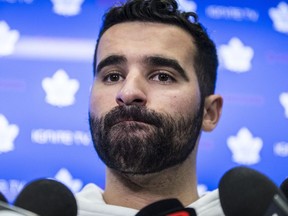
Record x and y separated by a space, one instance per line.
8 39
235 56
60 89
281 149
13 85
279 17
8 133
231 13
64 176
277 57
62 137
244 147
244 99
186 5
67 7
284 102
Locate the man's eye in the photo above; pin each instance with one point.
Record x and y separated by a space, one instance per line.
163 77
113 77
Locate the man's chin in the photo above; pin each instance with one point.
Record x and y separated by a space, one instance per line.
144 179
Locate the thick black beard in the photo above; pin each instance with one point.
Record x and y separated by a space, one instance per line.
135 140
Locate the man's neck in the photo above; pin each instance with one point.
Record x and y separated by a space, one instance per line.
139 191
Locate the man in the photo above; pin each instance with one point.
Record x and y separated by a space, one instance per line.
153 94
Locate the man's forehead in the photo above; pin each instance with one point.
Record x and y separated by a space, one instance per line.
152 26
144 31
145 38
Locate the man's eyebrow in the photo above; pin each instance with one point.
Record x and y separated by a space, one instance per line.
166 62
110 60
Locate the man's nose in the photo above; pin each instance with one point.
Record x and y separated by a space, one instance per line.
132 92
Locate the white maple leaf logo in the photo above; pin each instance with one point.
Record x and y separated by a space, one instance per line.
8 39
67 7
60 89
235 56
244 147
64 176
279 17
8 133
186 5
284 102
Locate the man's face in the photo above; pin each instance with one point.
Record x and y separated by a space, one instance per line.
145 110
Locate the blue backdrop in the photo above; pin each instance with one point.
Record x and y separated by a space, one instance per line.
46 52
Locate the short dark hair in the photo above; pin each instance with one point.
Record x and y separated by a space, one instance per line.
167 12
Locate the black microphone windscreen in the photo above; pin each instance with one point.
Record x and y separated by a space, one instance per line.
3 198
284 187
47 197
244 191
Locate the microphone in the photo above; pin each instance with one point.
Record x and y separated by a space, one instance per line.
47 197
284 187
3 198
167 207
244 191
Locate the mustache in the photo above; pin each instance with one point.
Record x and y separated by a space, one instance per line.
132 113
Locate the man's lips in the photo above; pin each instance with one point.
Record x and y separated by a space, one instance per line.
130 121
132 115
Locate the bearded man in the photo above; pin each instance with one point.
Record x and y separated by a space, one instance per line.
153 93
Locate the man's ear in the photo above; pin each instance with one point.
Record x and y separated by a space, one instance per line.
212 112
